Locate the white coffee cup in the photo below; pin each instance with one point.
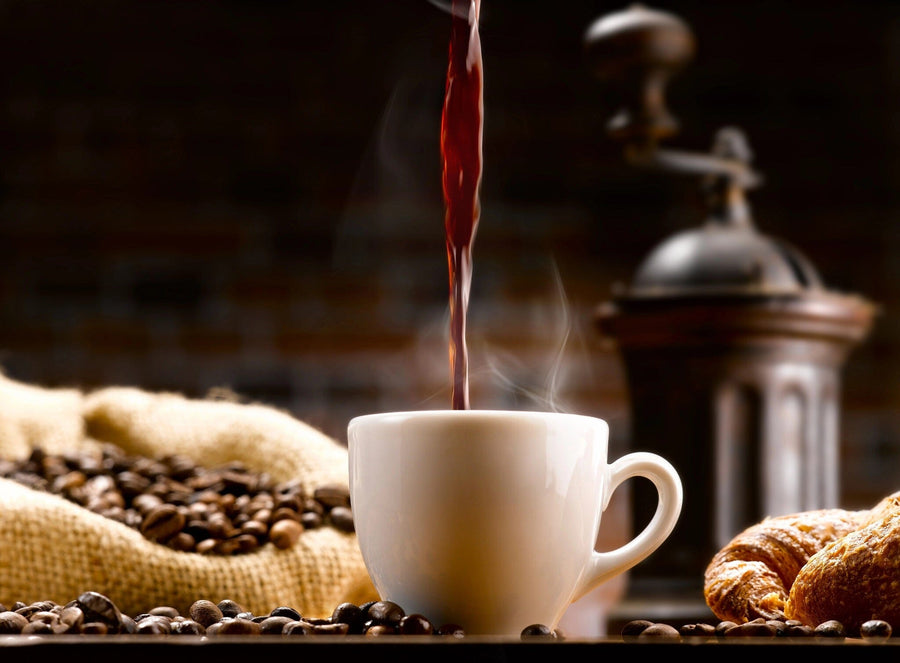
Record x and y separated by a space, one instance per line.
488 519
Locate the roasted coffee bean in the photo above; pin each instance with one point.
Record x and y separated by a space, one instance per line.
205 612
229 608
332 495
285 611
99 608
238 626
37 627
298 628
375 630
830 629
635 627
95 628
701 629
752 629
386 613
778 626
165 611
415 624
342 518
328 628
285 533
72 617
797 631
541 631
451 630
154 625
349 614
875 629
311 520
214 628
724 626
46 616
187 627
12 622
274 625
660 630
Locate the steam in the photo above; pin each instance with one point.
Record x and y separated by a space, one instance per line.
545 398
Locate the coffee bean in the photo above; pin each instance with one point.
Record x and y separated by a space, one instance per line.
701 629
778 626
165 611
451 630
72 617
798 631
541 631
350 614
99 608
188 627
751 629
285 611
875 629
386 613
94 628
635 627
205 612
298 627
285 533
37 628
415 624
724 626
238 626
274 625
660 631
332 495
342 518
375 630
12 622
830 629
154 625
327 628
229 608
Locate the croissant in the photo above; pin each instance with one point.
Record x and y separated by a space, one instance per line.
755 574
853 579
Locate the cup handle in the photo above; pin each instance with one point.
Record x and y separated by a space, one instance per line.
605 565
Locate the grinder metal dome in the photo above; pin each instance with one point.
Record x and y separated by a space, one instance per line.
724 259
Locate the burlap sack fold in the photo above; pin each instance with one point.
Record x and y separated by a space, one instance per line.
52 549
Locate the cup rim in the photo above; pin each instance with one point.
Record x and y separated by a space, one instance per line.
474 413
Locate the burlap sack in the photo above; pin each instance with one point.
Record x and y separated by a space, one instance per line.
52 549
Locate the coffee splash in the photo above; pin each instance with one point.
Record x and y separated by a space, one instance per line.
461 152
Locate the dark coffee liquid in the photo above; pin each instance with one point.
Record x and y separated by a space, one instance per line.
461 130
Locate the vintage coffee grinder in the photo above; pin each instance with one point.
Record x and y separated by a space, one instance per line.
731 344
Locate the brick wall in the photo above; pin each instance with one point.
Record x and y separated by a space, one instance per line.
196 195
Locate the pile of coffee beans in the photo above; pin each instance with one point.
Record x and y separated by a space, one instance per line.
174 501
642 629
93 613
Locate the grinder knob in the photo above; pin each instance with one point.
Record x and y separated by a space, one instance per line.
636 51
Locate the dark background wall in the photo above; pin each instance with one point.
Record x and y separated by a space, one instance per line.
246 195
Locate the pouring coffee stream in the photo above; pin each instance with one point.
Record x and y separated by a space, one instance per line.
461 152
